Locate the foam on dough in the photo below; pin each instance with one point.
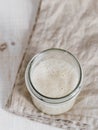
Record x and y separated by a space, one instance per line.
54 78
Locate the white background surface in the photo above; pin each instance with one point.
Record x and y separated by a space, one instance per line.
14 18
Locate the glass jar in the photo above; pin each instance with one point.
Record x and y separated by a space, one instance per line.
53 105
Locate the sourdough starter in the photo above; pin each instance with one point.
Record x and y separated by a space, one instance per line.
54 78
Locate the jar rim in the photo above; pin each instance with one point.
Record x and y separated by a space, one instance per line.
34 92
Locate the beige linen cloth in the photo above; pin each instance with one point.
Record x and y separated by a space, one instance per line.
71 25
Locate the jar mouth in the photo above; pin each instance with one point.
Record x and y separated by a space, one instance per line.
34 92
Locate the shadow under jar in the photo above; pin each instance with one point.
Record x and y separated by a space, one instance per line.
53 78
